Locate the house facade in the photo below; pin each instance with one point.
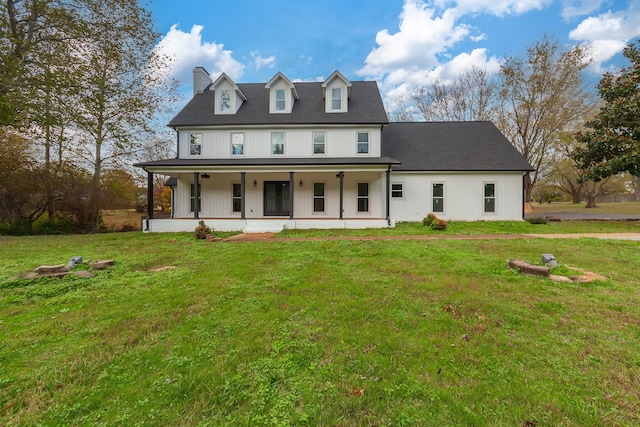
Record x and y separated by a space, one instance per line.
267 156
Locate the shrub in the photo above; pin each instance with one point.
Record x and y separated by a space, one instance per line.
537 220
438 224
429 219
202 230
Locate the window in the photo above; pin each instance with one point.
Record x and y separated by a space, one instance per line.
397 191
225 100
193 198
363 142
438 197
363 197
489 197
280 102
318 196
195 144
277 143
336 99
237 144
237 197
318 142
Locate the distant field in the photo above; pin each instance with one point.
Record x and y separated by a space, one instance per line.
116 219
629 208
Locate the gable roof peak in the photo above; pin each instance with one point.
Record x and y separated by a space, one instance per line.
224 77
280 76
336 75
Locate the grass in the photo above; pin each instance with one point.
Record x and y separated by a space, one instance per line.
477 228
339 333
627 208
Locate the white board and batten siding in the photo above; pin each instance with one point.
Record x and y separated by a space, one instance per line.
217 200
298 142
463 196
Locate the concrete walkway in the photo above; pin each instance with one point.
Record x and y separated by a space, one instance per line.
270 237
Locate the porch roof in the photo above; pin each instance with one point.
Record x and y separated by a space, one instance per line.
266 163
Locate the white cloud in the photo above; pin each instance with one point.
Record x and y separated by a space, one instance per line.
495 7
607 34
188 51
420 52
261 61
575 8
423 35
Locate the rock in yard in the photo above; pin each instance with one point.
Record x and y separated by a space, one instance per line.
50 269
102 264
526 268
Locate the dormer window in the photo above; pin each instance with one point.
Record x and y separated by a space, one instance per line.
228 97
280 101
225 100
282 94
336 99
336 91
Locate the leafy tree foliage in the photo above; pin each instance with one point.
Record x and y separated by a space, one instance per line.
612 138
80 81
21 182
543 94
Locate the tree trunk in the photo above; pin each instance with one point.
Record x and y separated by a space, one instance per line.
576 196
528 189
591 200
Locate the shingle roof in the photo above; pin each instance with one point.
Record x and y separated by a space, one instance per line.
365 107
451 146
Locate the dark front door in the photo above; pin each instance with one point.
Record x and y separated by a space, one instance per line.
276 198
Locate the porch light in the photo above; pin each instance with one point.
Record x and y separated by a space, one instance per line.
255 183
300 183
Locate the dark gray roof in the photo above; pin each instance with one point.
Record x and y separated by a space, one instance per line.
271 161
365 107
451 146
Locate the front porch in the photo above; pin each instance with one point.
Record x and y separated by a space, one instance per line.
263 225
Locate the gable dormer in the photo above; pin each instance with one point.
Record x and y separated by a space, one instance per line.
336 91
282 94
228 97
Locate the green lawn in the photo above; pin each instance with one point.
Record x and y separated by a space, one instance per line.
629 208
335 333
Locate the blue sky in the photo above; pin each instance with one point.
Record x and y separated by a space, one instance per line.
403 44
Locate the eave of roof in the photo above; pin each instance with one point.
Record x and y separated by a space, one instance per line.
271 161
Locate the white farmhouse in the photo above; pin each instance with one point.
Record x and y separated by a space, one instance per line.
268 156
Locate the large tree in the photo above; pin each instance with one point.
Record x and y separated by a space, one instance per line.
122 90
543 94
470 96
81 78
612 138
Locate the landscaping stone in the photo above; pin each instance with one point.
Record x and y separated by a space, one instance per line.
102 264
526 268
50 269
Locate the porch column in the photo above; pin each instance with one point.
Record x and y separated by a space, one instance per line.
242 182
149 195
341 176
388 194
196 194
291 187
